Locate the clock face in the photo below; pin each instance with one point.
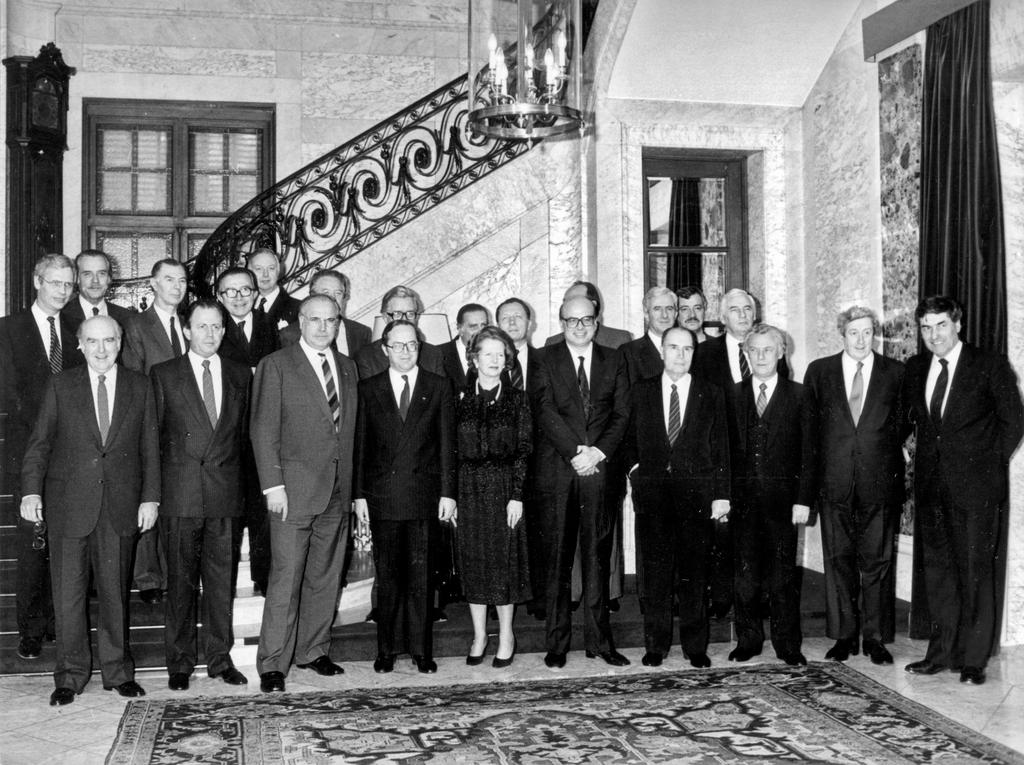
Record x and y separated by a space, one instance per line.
46 104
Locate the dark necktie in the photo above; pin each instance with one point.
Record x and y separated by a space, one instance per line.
744 364
332 390
209 399
95 311
857 393
517 373
941 383
581 380
403 400
103 405
674 420
263 305
56 354
175 342
241 331
762 400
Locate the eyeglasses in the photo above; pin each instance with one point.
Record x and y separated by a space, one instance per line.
57 284
328 322
410 347
664 309
233 292
398 315
39 538
572 322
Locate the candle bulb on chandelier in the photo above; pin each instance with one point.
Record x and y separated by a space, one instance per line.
492 47
549 65
529 57
561 50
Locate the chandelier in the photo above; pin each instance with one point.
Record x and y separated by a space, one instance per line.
525 68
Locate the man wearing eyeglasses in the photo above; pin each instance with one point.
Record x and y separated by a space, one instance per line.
352 336
405 481
582 404
34 345
302 428
92 472
249 335
399 303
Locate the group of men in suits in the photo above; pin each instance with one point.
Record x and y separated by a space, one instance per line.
725 454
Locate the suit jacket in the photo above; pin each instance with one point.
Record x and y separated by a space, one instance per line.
293 435
867 456
262 342
372 360
24 369
981 427
284 308
643 359
145 342
450 360
785 472
562 423
403 468
711 359
356 335
609 337
697 463
81 478
73 310
201 464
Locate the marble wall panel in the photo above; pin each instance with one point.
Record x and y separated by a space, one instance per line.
342 85
191 61
899 86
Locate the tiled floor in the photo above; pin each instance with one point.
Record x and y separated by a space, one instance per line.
33 732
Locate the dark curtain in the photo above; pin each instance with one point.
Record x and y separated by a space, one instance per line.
684 230
962 252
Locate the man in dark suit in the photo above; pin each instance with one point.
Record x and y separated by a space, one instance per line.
34 345
152 337
677 447
966 409
92 471
405 480
470 319
859 413
724 362
400 303
302 426
643 355
202 402
248 335
353 336
276 304
94 273
773 476
582 408
607 336
692 309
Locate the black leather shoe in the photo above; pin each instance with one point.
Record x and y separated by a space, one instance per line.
372 616
476 661
610 656
30 647
62 697
425 664
842 649
651 659
700 660
877 652
232 676
924 667
503 663
438 615
272 682
614 605
794 658
554 660
719 610
743 654
129 689
178 681
383 664
972 675
151 597
322 665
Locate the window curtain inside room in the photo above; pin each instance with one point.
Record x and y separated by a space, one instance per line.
962 250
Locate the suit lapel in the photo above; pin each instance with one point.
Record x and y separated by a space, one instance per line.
84 402
567 368
122 402
194 397
311 381
157 332
386 401
418 400
958 385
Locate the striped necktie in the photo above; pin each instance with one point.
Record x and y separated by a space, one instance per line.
56 353
332 390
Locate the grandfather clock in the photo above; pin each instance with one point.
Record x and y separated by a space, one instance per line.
37 127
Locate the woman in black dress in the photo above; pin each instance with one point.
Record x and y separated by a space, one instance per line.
494 437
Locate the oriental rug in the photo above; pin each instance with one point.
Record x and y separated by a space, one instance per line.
825 712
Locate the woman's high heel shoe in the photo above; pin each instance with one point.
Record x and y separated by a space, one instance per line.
502 663
475 661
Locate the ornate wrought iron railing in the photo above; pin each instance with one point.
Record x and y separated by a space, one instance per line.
360 192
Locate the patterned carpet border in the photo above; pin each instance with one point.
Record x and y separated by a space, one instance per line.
825 712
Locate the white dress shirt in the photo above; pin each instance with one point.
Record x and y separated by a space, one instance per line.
772 383
218 383
87 308
850 370
952 358
682 389
587 354
732 349
43 324
110 382
165 321
317 362
398 384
